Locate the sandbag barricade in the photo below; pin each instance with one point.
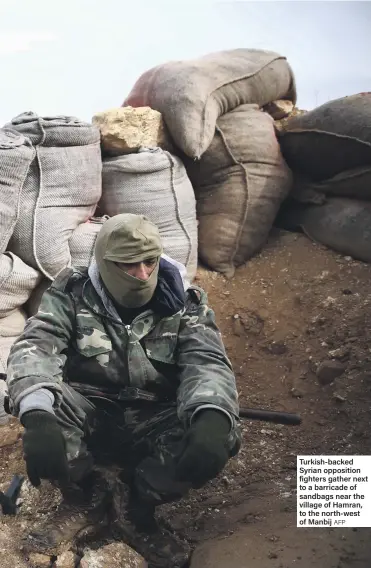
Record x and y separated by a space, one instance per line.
192 95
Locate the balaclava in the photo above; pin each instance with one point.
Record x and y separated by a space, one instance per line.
127 238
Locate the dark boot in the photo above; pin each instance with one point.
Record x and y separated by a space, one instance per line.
134 523
82 506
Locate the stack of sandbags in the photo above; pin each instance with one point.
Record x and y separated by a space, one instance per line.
125 130
329 150
240 183
154 183
16 278
61 189
11 327
192 95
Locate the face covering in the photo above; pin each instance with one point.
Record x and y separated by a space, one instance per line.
127 238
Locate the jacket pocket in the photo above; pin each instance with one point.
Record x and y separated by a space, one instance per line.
91 342
162 349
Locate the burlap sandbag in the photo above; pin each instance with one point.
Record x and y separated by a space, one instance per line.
17 281
61 190
154 183
341 224
240 183
16 155
83 239
350 183
329 139
191 95
13 324
4 417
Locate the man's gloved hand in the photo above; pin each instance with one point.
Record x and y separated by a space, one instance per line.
204 452
44 447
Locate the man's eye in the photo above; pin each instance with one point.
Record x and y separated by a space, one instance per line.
150 261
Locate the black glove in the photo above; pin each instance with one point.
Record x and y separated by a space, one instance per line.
44 447
204 450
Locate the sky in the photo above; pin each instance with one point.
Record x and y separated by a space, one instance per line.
79 57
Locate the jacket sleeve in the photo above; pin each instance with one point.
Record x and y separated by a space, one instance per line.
205 372
36 359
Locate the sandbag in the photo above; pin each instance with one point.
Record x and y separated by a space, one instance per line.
4 417
16 155
240 183
13 324
154 183
341 224
350 183
83 239
5 346
191 95
61 190
17 280
330 139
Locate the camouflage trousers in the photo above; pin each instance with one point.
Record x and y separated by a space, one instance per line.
142 438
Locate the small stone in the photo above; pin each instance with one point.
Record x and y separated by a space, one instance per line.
238 328
339 397
296 393
272 555
66 560
37 560
115 555
328 371
342 352
277 348
124 130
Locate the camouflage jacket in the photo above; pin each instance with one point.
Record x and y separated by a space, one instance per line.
73 338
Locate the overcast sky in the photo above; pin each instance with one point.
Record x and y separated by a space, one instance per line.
83 56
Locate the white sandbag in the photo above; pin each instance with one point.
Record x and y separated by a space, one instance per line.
240 183
5 346
13 324
154 183
17 280
82 241
4 417
191 95
16 155
61 190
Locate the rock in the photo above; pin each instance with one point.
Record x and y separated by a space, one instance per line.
66 560
10 433
115 555
279 109
124 130
238 328
341 353
37 560
328 371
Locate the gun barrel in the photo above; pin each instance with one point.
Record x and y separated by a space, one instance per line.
270 416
